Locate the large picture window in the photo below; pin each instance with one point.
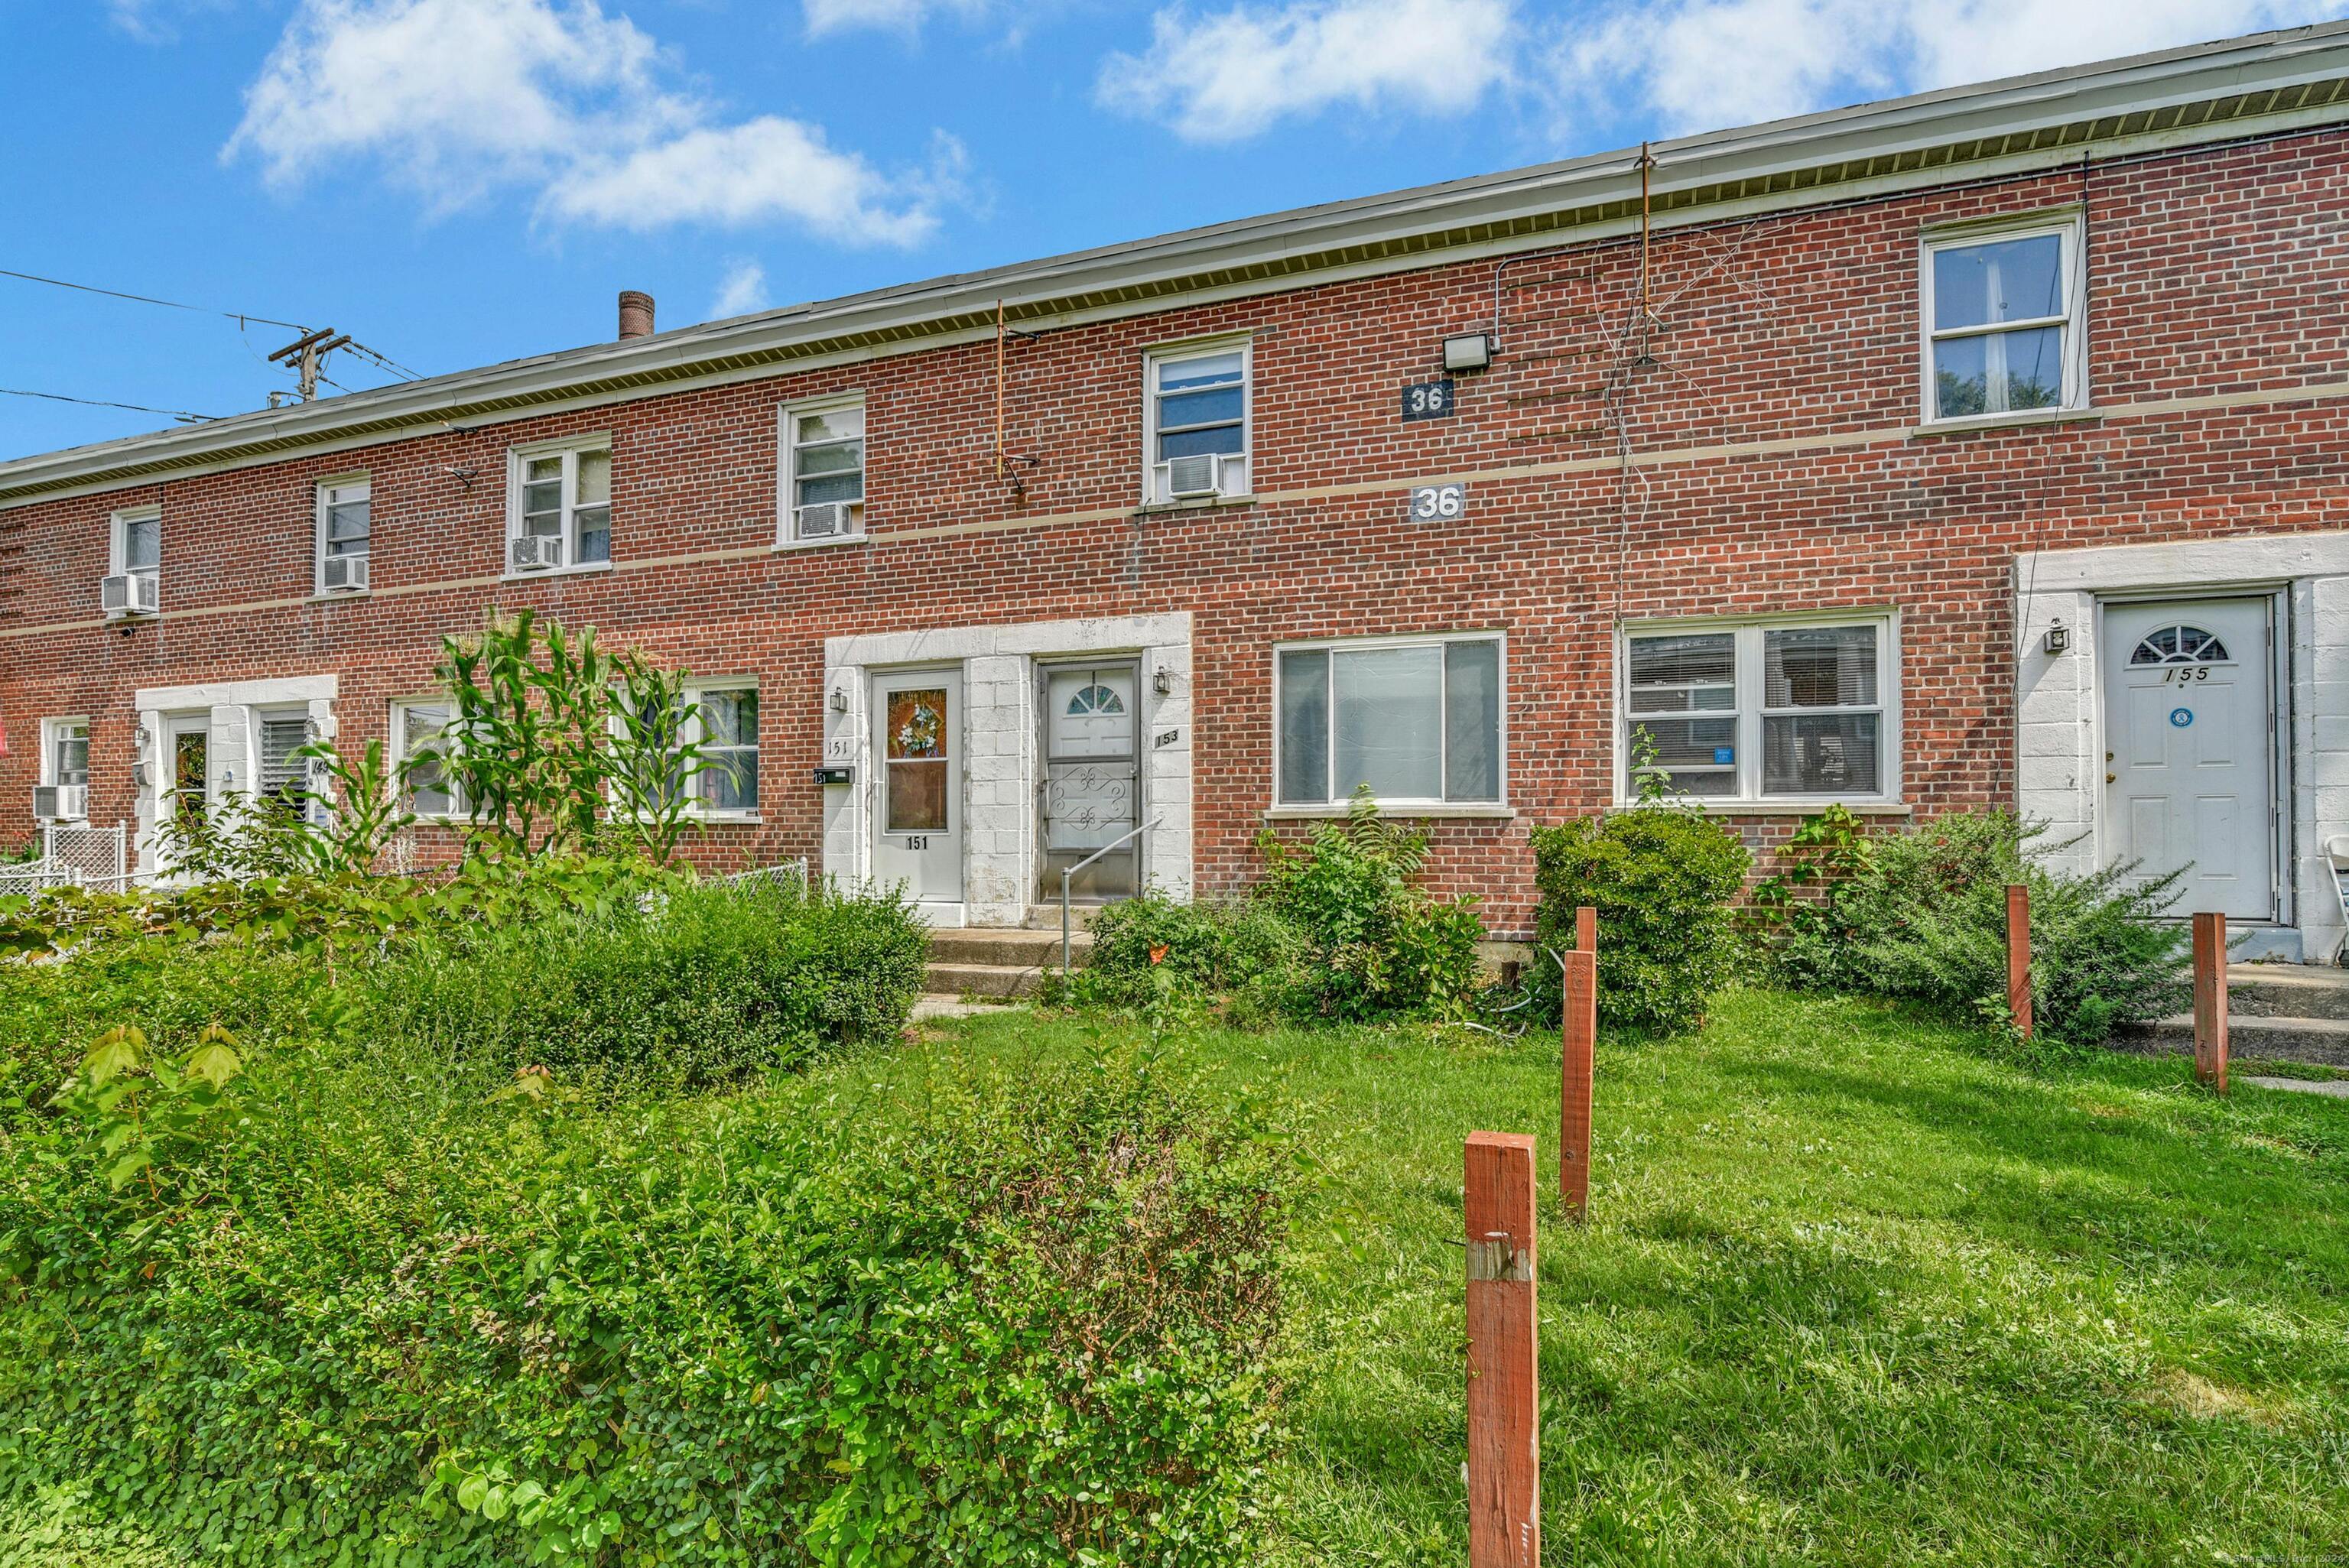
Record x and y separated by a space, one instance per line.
1416 719
1795 711
2002 312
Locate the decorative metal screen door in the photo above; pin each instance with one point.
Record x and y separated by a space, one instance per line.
1091 792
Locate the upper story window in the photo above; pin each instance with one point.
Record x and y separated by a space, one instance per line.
420 741
2002 310
1196 421
343 531
1418 719
823 471
1768 712
559 505
135 563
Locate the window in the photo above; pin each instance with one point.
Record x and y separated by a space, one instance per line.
278 774
560 509
823 472
2180 645
1196 419
1763 712
137 550
2001 314
1417 720
343 531
420 739
64 751
726 723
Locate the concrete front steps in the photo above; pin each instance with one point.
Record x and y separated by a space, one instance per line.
2285 1012
1001 964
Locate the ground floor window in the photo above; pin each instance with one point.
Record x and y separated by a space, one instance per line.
1417 720
726 724
1774 710
420 739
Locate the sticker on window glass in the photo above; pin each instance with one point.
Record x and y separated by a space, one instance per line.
1724 754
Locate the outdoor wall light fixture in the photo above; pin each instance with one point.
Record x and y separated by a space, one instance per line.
1468 351
2058 638
840 700
1162 680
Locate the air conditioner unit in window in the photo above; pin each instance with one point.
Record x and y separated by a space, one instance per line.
343 573
1202 473
61 803
127 594
827 520
534 552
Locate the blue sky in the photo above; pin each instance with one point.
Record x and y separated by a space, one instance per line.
459 182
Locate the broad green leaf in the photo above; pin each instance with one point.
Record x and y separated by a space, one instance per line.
214 1064
119 1051
472 1490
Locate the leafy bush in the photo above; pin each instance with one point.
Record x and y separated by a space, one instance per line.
697 986
1923 915
371 1308
1664 882
1336 933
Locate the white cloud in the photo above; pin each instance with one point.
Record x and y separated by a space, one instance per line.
742 290
157 21
1221 78
457 99
1709 63
894 15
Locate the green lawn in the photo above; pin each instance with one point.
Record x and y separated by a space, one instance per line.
1851 1292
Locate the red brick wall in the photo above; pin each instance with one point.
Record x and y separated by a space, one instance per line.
2216 272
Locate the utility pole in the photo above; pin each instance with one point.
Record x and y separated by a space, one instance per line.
308 354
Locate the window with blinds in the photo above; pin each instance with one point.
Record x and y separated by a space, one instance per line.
283 776
1769 712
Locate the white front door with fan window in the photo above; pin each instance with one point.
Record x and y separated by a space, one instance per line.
917 756
2189 767
1090 795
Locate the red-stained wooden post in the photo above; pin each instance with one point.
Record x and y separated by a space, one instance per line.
1586 929
2211 1000
1580 1036
1503 1432
2018 957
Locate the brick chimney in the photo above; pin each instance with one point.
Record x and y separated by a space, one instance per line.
635 314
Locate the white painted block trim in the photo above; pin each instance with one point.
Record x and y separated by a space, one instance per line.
238 694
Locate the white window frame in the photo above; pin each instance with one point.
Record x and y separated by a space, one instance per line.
319 504
570 449
1749 672
2066 225
787 515
458 812
697 806
53 730
116 551
1153 358
1415 806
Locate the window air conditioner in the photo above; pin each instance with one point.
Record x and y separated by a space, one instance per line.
825 520
127 594
534 552
61 803
341 573
1202 473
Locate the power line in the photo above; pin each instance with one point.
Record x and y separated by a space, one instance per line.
237 315
103 403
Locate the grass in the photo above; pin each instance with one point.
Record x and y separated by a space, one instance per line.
1853 1292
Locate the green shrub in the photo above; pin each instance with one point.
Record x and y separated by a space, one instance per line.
1207 948
373 1309
1924 916
1664 882
697 986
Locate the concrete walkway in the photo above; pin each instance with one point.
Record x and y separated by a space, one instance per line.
2337 1088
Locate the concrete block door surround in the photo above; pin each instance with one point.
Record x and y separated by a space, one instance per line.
2060 738
999 773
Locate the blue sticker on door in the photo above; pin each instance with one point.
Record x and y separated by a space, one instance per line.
2179 717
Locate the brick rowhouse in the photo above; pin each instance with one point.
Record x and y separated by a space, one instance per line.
1756 450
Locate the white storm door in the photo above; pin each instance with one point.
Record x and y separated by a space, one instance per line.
917 774
2189 765
183 774
1092 787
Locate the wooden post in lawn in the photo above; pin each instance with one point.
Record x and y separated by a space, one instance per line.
1579 1037
1586 929
2211 1000
1504 1433
2018 957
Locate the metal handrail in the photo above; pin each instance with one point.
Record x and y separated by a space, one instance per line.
1072 870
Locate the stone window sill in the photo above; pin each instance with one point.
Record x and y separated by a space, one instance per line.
2019 420
1489 813
583 569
